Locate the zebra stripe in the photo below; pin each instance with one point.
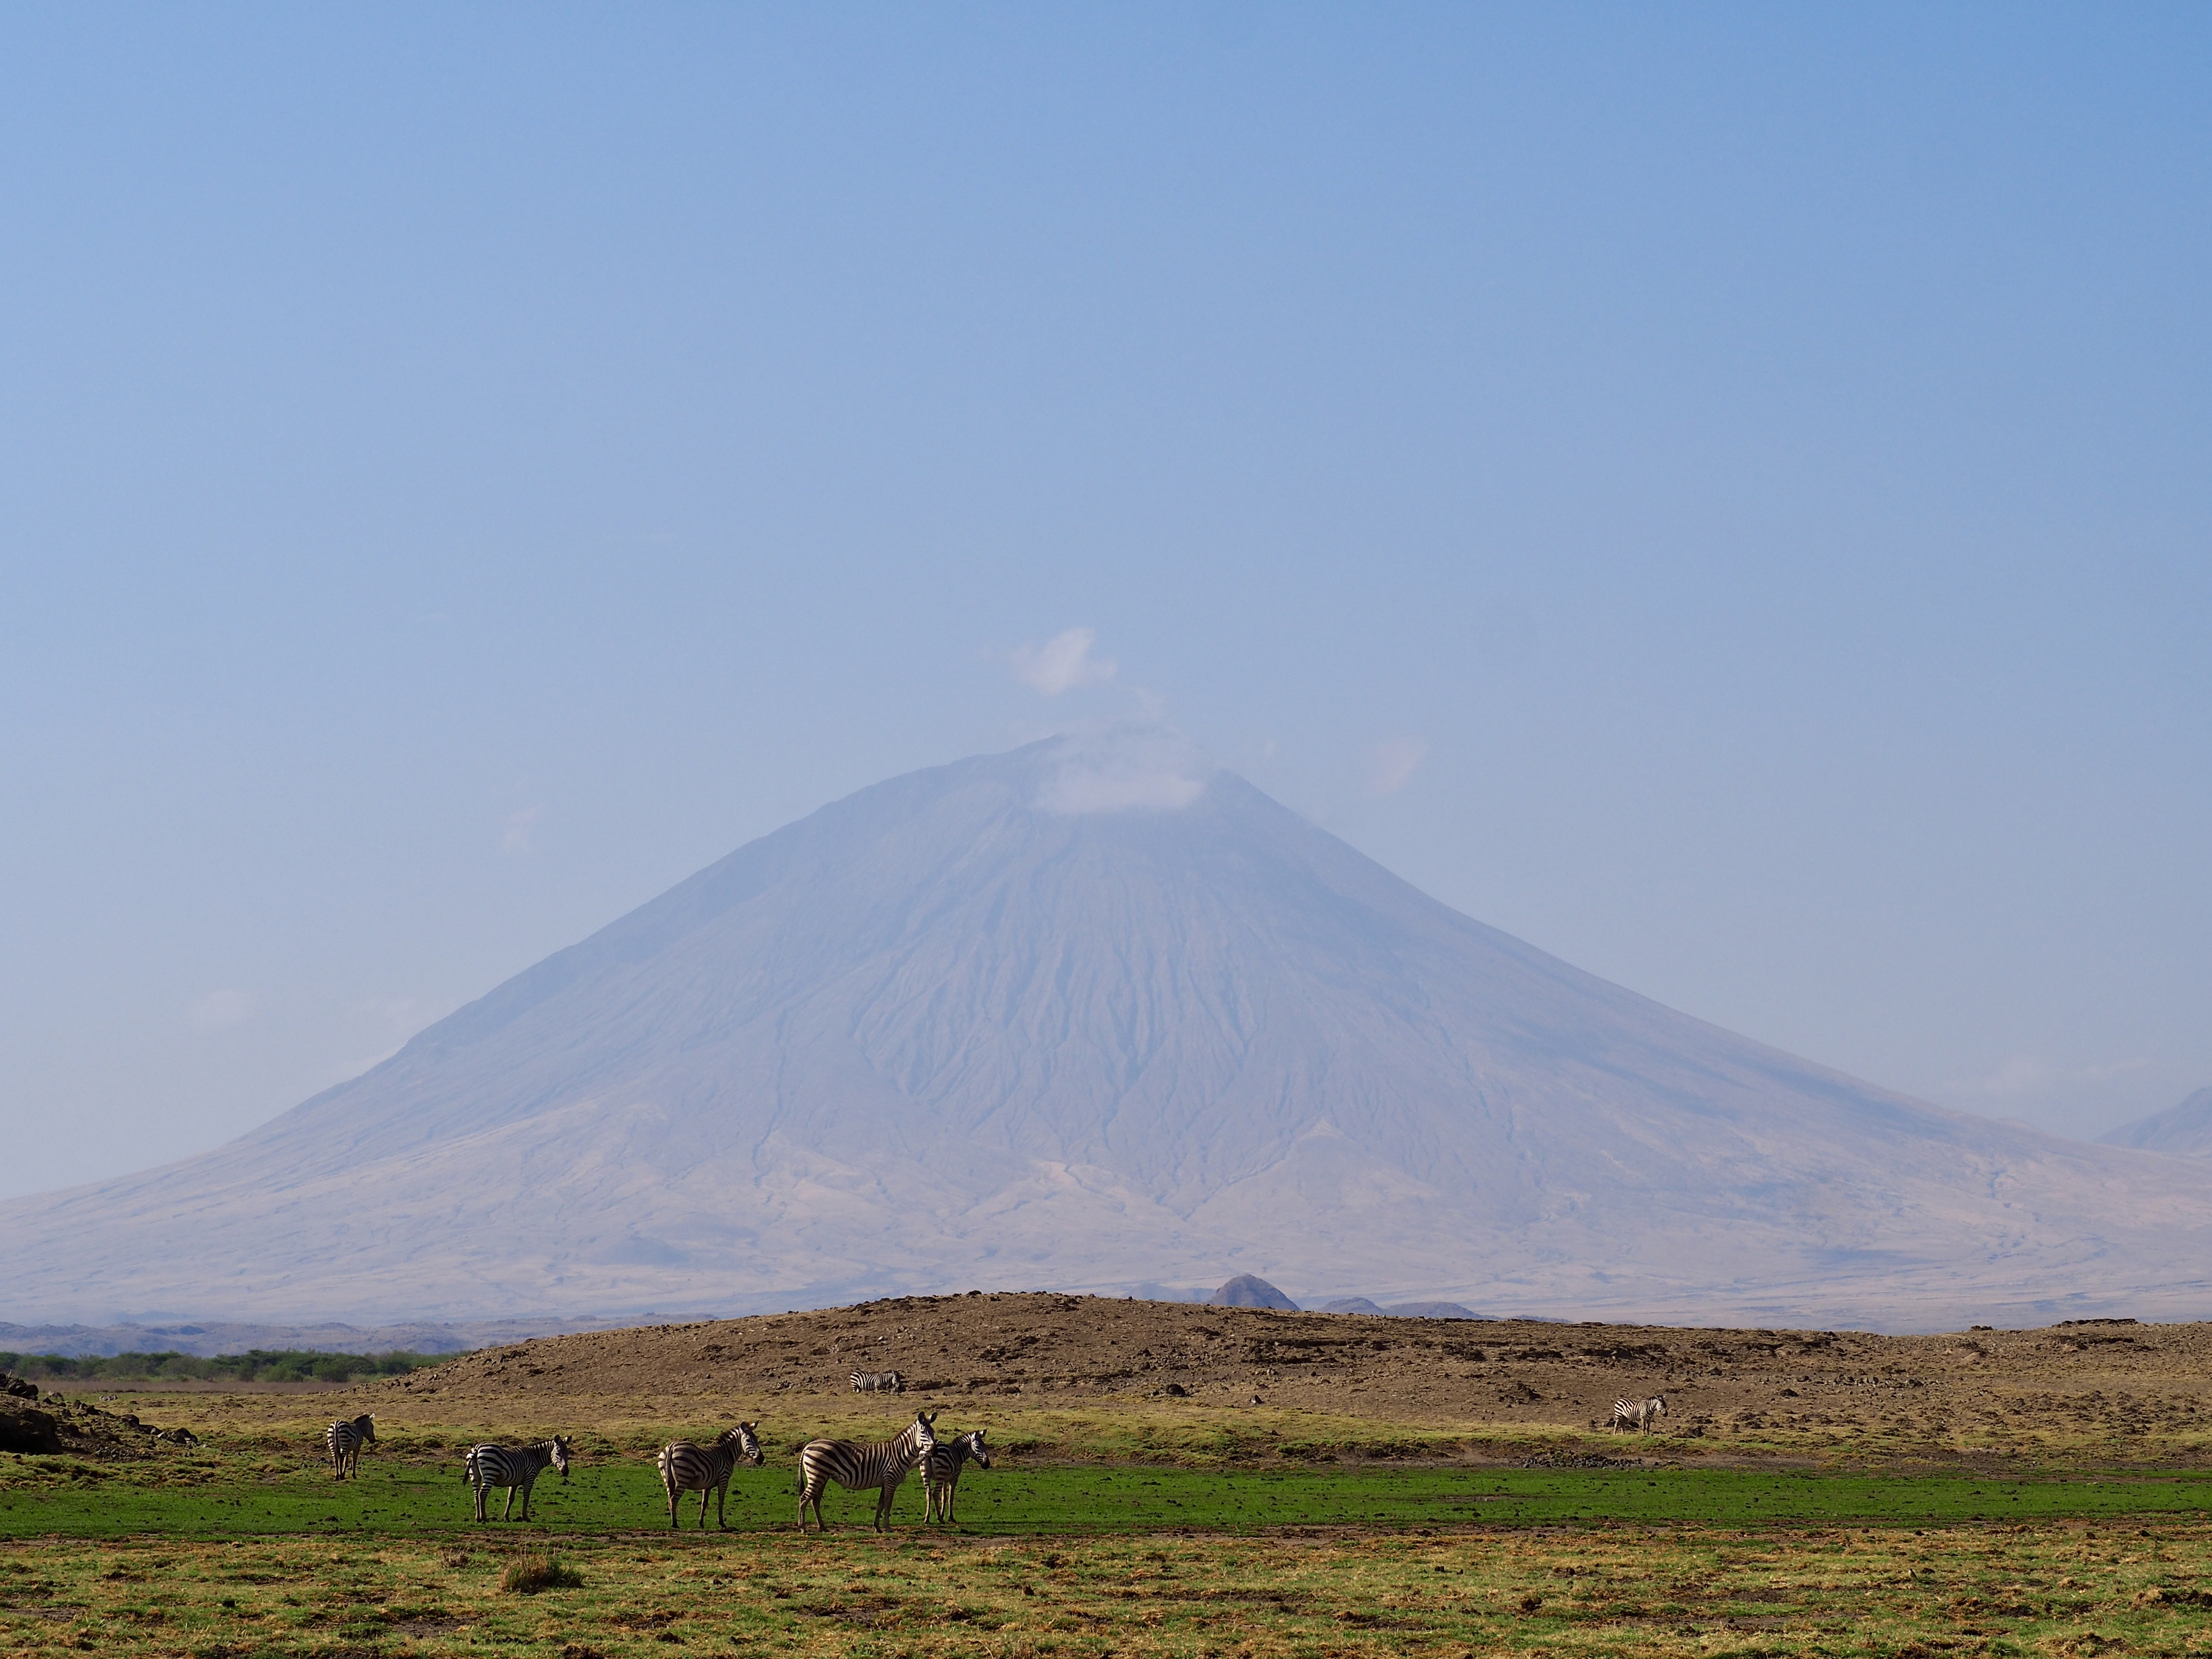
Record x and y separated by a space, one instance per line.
516 1468
1639 1414
688 1467
855 1466
345 1441
877 1382
940 1472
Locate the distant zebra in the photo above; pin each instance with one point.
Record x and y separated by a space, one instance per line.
879 1382
687 1467
516 1468
1639 1414
345 1441
855 1466
940 1472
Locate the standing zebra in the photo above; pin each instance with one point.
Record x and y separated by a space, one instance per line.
940 1472
1639 1414
877 1382
686 1466
345 1441
516 1468
853 1466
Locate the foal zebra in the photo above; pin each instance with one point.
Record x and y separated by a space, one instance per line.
940 1472
345 1441
1639 1414
516 1468
852 1465
686 1466
877 1382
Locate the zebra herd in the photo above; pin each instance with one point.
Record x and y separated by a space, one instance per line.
686 1466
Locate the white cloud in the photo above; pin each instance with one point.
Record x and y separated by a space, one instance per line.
1063 663
1393 760
219 1009
515 837
1126 769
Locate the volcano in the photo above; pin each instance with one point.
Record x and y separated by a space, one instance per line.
1093 1016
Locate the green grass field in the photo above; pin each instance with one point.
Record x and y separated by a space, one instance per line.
397 1498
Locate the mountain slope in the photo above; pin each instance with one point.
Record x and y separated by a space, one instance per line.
1085 1015
2185 1130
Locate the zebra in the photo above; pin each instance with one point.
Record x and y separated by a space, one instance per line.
854 1465
1639 1414
345 1441
516 1468
940 1472
879 1382
686 1466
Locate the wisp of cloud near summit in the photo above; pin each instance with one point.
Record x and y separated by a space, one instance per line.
1063 663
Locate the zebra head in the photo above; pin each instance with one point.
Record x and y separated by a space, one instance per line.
976 1449
366 1426
746 1443
560 1455
924 1438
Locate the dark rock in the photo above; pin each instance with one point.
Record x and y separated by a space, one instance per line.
1175 1390
22 1429
1250 1291
20 1388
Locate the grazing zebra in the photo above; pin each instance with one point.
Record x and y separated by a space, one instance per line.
1639 1414
685 1467
940 1472
516 1468
345 1441
853 1466
877 1382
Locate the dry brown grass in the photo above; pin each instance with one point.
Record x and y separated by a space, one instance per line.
1083 1378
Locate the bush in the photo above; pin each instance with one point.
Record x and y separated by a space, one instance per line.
257 1365
527 1574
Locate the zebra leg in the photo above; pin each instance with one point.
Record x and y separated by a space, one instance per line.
721 1505
675 1498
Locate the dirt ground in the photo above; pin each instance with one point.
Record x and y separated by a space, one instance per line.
2081 1394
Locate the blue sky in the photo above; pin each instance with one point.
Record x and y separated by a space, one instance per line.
1721 493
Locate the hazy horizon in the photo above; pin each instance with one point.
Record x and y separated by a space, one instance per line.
1722 497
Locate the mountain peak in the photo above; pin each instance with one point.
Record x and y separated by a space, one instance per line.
1095 1014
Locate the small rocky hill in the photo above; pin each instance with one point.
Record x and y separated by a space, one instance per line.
999 1358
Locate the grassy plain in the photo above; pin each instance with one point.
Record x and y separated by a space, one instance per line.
2070 1588
1393 1490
